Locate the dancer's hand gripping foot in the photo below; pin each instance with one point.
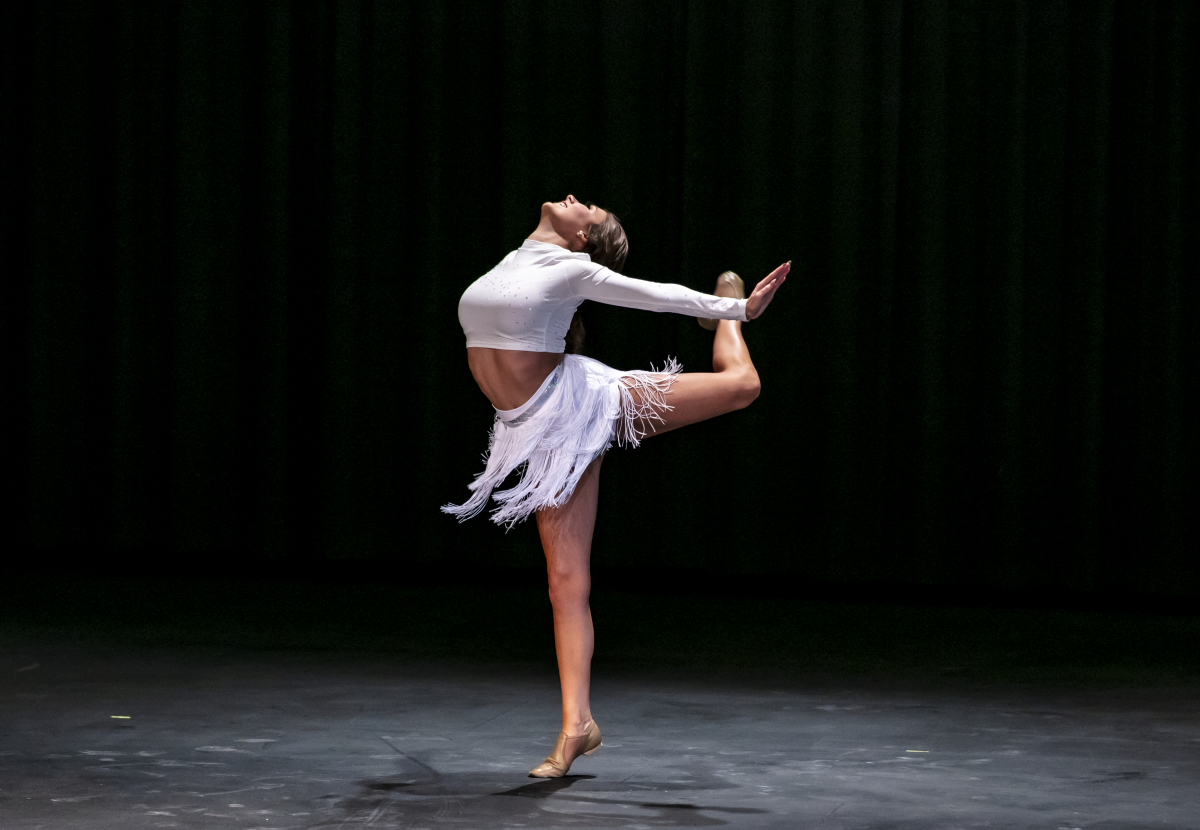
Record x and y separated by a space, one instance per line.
568 748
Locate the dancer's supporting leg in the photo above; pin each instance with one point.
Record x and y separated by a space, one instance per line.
567 531
567 540
698 396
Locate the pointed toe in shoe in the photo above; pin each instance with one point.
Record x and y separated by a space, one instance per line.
729 285
566 750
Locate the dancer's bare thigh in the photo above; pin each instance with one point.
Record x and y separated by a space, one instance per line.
566 531
695 397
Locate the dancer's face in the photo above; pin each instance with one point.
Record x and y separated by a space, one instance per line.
571 216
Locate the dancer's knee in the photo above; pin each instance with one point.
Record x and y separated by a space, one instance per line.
568 588
746 388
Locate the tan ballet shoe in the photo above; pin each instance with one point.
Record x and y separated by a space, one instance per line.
568 748
729 285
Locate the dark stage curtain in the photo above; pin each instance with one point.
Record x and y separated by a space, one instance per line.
240 231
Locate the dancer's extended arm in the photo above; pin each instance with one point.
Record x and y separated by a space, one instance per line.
605 286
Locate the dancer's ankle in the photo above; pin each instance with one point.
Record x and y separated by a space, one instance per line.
576 726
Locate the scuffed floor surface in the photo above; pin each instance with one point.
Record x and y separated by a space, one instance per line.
144 737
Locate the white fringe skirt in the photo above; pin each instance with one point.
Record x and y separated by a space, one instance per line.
580 409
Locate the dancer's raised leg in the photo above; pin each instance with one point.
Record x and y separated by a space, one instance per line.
697 396
566 534
733 382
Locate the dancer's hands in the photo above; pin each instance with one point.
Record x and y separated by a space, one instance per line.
764 292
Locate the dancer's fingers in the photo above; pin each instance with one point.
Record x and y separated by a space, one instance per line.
765 288
764 292
778 275
780 272
767 280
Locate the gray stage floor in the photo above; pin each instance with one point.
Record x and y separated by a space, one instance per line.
278 740
917 718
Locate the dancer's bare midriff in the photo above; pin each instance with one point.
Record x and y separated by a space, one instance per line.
508 377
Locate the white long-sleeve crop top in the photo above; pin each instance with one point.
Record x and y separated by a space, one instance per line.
526 302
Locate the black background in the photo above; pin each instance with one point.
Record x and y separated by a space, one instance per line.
238 233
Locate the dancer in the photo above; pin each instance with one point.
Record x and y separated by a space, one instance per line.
558 412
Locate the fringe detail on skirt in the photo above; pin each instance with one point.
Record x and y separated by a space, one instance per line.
593 406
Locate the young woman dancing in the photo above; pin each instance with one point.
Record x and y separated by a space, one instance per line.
557 412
